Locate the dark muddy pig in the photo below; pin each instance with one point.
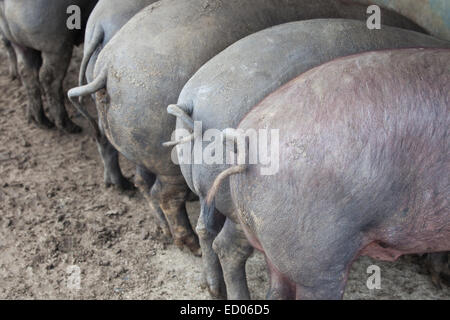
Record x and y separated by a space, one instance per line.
229 85
105 20
38 32
363 155
146 64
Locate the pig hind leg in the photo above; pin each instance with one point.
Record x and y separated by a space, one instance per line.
31 62
328 284
323 275
112 174
316 284
52 74
233 249
316 265
13 69
145 182
172 192
212 269
281 288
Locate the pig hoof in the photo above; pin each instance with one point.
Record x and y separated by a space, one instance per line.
121 186
41 122
216 287
165 232
194 246
164 235
191 242
216 292
125 185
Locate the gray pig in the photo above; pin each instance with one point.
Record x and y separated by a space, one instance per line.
363 155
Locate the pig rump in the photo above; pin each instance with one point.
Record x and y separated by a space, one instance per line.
363 169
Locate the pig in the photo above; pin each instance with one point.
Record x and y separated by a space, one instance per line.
146 64
38 32
105 20
224 90
363 153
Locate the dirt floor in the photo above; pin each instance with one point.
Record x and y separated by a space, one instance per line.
55 213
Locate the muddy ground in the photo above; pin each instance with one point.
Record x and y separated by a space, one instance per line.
55 213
